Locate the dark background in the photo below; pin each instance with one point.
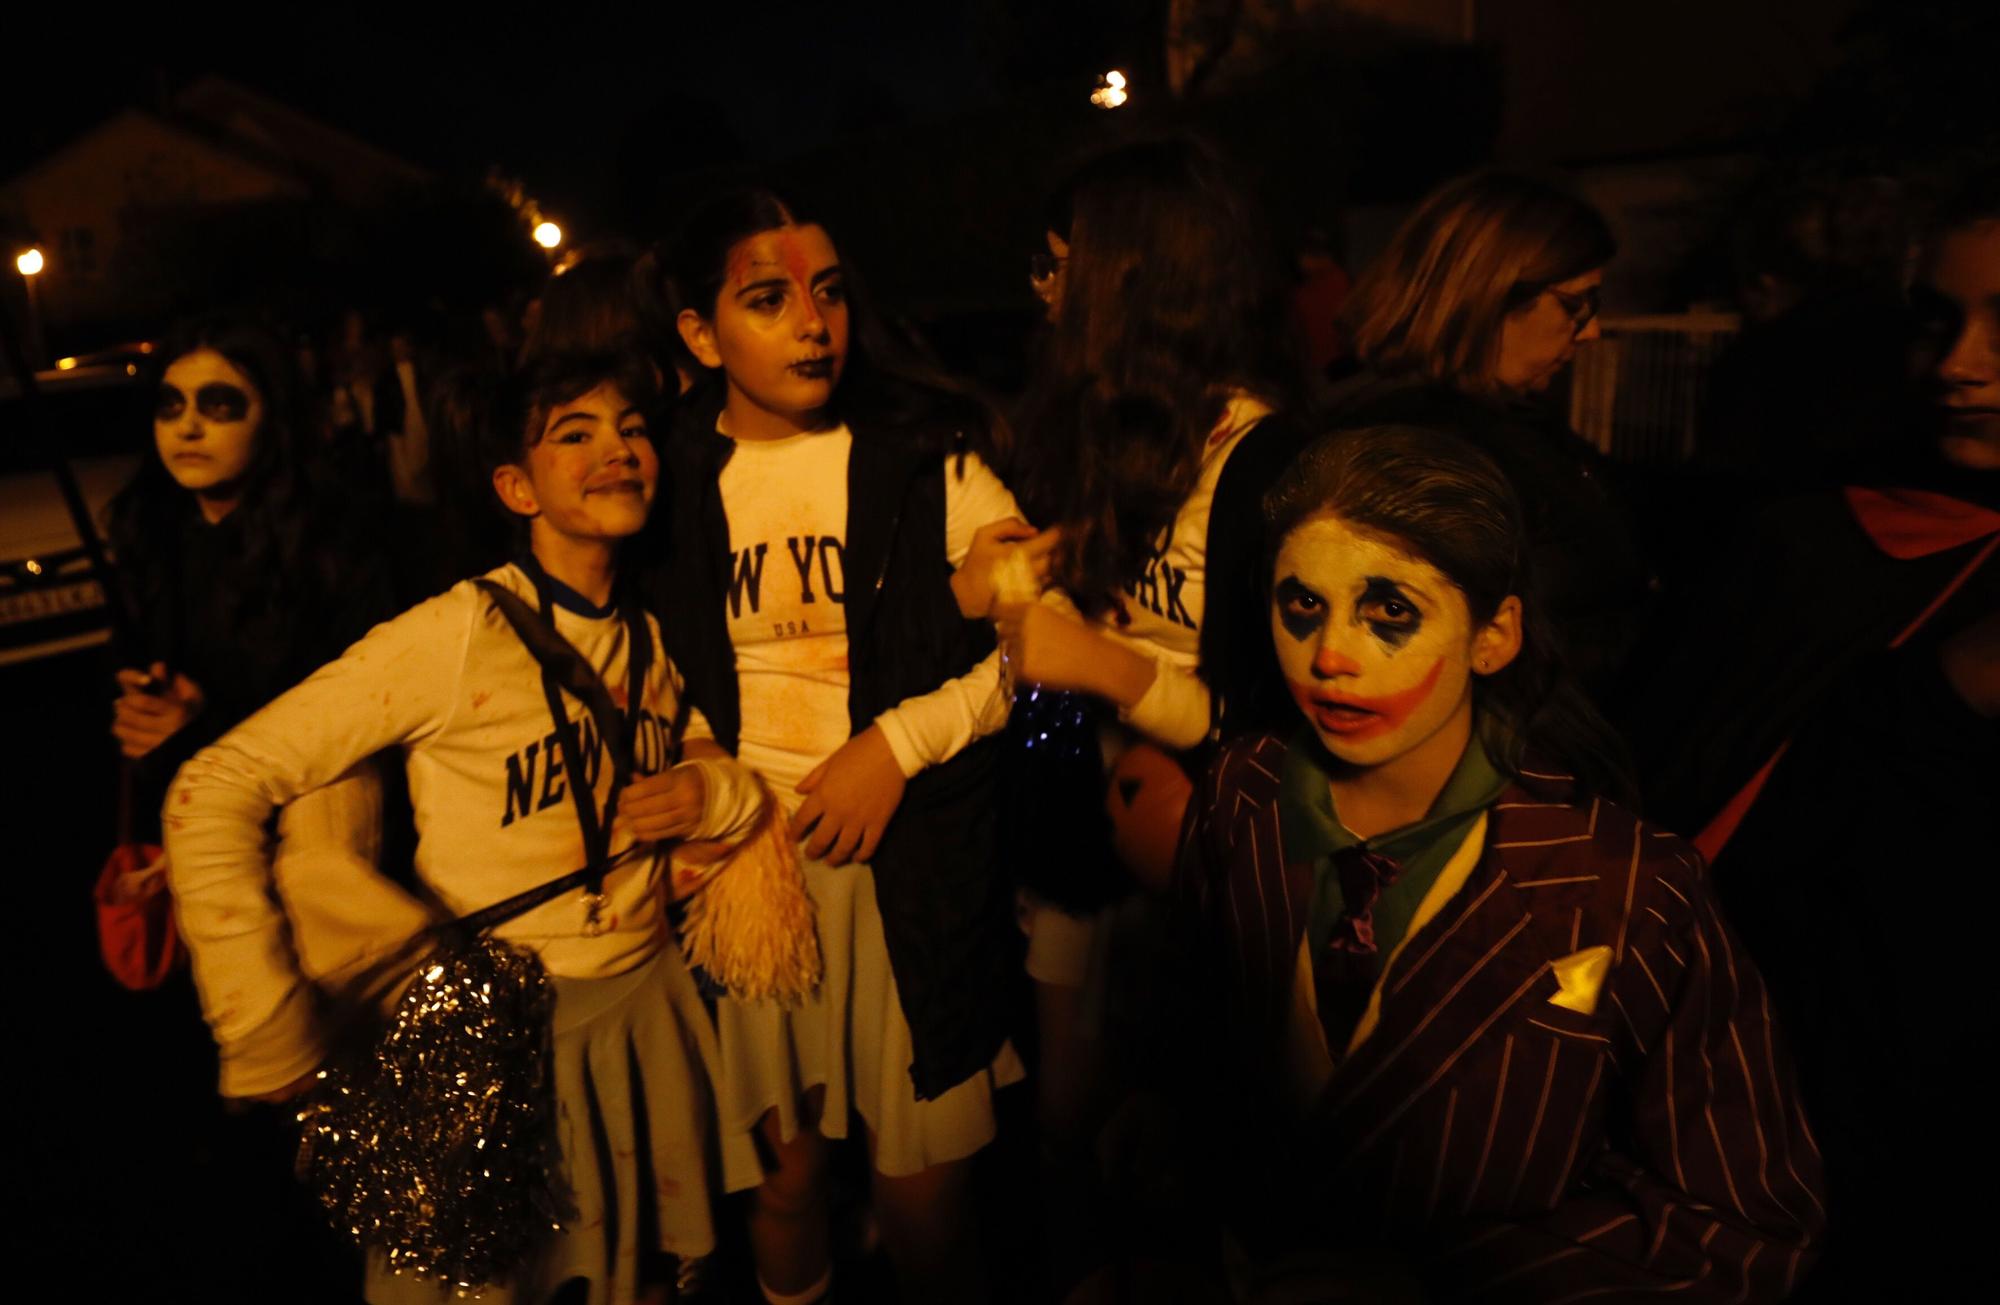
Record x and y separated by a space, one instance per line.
928 134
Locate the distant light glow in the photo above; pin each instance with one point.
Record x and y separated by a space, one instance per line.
65 364
33 567
30 262
1111 92
548 235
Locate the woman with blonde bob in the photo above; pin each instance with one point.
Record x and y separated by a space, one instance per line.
1466 321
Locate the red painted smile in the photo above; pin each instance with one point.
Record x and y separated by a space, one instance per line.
1352 716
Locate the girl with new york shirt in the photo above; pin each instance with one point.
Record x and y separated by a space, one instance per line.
570 457
821 505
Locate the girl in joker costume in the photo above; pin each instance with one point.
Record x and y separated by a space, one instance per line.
821 505
1465 996
569 453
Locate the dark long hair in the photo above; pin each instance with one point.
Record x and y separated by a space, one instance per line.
1440 499
889 385
276 565
1171 301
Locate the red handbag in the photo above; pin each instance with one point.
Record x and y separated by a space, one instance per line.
135 912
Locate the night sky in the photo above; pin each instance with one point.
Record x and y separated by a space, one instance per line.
562 102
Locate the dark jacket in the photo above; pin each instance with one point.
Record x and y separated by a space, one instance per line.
946 912
1517 1148
1861 878
209 618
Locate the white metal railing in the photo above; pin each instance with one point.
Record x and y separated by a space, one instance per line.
1637 393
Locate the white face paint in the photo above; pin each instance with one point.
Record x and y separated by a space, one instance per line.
205 423
1376 645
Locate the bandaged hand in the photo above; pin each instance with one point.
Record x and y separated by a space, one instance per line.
1009 561
849 799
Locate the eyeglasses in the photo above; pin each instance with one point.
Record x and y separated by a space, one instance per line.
1044 266
1581 305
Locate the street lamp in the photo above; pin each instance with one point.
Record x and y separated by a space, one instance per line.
548 235
1111 92
30 264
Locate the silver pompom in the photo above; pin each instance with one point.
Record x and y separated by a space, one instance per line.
437 1146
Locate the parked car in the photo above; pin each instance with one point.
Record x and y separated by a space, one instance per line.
95 412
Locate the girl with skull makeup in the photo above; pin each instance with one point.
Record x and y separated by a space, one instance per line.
1471 999
823 498
243 579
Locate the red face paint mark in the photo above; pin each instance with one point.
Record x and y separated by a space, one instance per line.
794 258
1330 663
1351 716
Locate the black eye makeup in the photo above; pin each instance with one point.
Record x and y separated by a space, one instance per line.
219 401
1389 612
1301 611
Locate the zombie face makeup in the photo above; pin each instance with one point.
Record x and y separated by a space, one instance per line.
591 474
205 424
1377 647
779 332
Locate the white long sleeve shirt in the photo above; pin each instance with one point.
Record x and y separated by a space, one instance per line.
1164 605
451 684
786 501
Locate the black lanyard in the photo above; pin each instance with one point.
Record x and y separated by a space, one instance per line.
564 669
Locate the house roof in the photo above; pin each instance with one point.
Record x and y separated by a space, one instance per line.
300 154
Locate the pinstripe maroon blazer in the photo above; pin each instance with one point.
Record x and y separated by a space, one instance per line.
1528 1151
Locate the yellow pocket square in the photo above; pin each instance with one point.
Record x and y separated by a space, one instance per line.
1580 976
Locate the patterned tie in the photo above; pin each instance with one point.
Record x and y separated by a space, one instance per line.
1345 970
1363 876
